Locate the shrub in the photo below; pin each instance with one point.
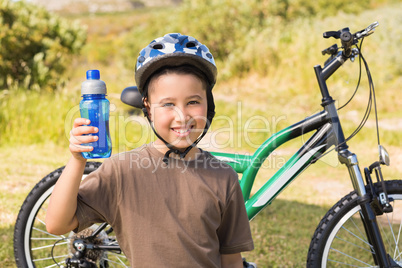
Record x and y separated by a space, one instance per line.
36 46
234 29
226 25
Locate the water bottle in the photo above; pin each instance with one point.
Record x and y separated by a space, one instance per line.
95 107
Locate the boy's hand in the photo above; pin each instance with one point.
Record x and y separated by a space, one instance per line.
78 137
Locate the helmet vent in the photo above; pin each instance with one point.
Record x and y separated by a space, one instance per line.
191 44
158 46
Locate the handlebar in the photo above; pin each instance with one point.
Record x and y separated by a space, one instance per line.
347 39
337 57
332 64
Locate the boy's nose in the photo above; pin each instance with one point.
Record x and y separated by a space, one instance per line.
181 115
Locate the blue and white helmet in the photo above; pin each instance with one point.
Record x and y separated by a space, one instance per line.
174 49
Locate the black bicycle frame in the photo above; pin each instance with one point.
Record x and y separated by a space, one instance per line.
350 160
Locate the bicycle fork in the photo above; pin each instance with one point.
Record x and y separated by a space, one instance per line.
368 216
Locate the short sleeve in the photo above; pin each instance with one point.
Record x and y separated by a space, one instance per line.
234 233
97 199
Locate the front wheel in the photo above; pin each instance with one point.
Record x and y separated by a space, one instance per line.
340 239
35 247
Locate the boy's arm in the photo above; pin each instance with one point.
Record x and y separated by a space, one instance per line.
60 216
231 260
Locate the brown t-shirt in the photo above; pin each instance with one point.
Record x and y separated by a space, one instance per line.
184 214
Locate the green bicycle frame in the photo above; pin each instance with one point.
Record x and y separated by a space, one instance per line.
248 165
328 133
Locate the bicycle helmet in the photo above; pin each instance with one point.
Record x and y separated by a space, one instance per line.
174 50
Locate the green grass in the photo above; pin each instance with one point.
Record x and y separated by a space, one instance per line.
6 247
33 117
21 167
282 234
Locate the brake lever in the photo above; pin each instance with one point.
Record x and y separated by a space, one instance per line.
368 31
372 26
332 50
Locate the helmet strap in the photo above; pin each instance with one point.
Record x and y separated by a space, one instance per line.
172 149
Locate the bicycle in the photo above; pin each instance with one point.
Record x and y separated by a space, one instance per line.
357 231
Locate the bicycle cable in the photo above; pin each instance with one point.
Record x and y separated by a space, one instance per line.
371 99
368 109
359 79
52 251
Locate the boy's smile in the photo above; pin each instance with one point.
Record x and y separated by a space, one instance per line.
178 106
182 131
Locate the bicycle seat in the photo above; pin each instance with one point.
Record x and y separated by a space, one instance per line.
131 96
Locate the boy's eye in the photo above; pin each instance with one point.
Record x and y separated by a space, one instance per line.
193 102
167 104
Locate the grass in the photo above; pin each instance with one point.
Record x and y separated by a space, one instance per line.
21 167
282 234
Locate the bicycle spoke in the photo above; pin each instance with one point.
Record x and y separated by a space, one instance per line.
113 243
391 230
45 232
397 252
397 242
353 244
50 258
356 236
353 258
49 246
385 235
361 233
37 218
347 264
117 255
45 238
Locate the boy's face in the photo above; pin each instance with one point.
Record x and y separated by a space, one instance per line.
177 105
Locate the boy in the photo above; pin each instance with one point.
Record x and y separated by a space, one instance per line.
170 203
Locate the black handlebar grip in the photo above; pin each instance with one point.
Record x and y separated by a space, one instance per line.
334 34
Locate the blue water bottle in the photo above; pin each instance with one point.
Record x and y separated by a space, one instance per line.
95 107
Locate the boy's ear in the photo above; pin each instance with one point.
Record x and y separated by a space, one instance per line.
147 106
